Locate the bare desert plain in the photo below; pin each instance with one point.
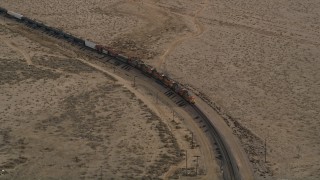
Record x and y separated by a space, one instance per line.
63 117
256 62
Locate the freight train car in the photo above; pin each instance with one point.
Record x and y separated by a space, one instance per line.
133 62
157 75
122 58
144 68
27 20
15 15
3 10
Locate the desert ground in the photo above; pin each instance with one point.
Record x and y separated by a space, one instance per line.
64 118
255 62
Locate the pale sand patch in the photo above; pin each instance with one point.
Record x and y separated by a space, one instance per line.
63 119
258 61
85 124
259 64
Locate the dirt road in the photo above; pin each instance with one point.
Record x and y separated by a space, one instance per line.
57 101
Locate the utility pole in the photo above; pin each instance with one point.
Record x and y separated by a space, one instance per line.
101 172
172 115
192 145
134 81
157 98
186 162
265 150
265 147
197 164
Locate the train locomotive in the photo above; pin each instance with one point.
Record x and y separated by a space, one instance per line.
134 62
3 10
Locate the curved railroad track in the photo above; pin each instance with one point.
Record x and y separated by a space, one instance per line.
229 165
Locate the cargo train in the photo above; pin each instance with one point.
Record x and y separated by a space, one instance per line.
134 62
145 69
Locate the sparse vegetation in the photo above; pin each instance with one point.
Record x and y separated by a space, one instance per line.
66 114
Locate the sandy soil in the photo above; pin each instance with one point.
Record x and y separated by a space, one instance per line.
139 28
260 67
256 62
64 117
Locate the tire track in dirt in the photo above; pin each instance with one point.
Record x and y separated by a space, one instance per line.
201 138
155 23
275 31
14 47
127 85
122 81
200 30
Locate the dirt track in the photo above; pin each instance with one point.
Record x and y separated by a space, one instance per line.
64 116
257 62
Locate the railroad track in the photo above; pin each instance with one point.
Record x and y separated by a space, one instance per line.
229 167
228 163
